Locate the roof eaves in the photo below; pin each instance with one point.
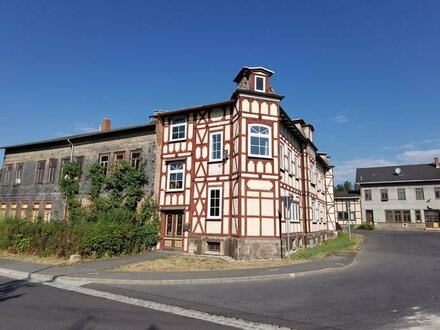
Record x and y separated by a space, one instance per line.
160 113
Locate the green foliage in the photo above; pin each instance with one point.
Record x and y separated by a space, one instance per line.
125 185
346 186
111 226
123 188
69 187
97 178
338 244
366 226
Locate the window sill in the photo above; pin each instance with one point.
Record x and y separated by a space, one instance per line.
177 140
174 190
214 161
214 219
261 157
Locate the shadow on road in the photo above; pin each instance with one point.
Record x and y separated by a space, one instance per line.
7 289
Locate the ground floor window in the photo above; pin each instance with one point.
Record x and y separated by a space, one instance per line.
398 216
2 210
418 215
48 211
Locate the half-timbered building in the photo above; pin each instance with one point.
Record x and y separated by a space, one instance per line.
240 178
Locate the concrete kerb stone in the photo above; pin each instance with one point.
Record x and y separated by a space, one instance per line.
79 281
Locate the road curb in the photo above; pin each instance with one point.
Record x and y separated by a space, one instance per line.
79 281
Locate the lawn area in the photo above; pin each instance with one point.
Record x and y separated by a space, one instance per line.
341 243
184 262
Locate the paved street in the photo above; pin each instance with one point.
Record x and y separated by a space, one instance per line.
24 305
393 284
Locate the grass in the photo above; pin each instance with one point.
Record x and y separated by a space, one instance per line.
184 262
341 243
32 258
178 263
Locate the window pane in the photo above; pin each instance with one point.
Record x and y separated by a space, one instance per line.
169 224
179 223
260 83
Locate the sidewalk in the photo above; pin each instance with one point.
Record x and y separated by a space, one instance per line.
101 271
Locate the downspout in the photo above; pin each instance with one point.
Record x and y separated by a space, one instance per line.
305 192
72 148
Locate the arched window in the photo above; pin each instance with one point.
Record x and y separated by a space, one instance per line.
260 142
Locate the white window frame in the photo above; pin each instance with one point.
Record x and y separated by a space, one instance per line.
208 215
211 146
170 171
268 136
282 156
295 210
172 125
264 83
289 162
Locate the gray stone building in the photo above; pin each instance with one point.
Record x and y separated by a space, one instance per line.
29 181
401 197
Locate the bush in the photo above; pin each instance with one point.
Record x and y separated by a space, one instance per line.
366 226
104 234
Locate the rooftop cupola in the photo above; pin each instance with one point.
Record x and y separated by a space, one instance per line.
254 80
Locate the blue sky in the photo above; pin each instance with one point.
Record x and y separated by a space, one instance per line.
366 74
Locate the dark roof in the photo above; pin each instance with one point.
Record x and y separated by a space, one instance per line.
245 70
81 138
347 194
160 113
398 173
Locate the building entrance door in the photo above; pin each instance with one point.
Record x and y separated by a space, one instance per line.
369 216
432 219
173 235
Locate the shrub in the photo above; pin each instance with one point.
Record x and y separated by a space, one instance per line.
110 234
366 226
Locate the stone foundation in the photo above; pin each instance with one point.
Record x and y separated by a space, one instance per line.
399 226
299 241
255 248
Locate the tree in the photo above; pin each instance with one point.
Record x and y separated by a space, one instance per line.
346 186
125 185
69 186
98 179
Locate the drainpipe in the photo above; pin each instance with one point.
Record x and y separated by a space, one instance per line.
72 147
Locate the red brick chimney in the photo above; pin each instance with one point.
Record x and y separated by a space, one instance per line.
436 162
106 124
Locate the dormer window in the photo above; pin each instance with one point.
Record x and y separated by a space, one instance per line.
177 129
260 83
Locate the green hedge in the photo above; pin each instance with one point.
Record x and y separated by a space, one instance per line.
108 233
366 226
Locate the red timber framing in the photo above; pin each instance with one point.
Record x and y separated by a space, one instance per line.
237 196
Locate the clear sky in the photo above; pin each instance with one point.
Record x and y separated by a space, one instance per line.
366 74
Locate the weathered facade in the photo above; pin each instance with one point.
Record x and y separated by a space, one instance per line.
240 178
401 197
29 183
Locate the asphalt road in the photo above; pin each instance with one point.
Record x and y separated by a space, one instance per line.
394 284
24 305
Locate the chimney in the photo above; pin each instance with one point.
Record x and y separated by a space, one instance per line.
106 124
436 162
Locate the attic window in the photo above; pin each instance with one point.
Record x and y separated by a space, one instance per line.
260 82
